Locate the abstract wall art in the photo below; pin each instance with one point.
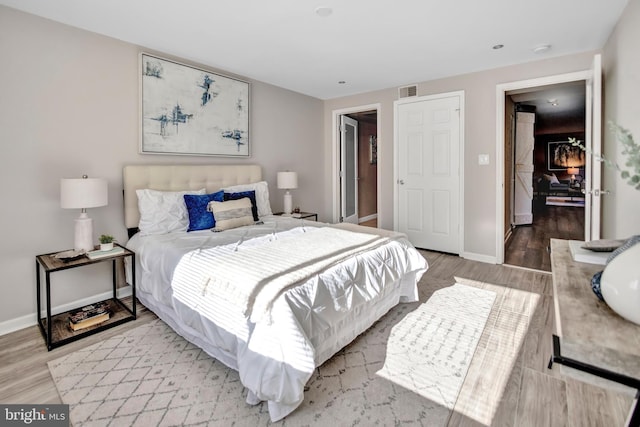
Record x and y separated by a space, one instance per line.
190 111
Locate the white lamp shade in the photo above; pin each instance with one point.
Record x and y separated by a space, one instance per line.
287 180
81 193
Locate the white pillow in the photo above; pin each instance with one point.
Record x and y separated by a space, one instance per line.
262 195
163 212
553 179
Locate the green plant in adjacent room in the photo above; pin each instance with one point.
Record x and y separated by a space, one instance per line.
629 148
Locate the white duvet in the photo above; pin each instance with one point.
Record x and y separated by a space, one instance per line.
307 323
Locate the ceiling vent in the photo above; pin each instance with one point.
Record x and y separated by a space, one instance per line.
407 91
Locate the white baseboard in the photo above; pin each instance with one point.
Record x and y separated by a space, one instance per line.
22 322
368 218
479 257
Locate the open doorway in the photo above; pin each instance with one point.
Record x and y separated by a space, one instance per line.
355 165
367 167
592 80
544 173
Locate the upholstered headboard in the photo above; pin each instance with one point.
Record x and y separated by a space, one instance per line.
180 177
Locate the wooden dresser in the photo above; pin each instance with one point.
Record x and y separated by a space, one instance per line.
591 340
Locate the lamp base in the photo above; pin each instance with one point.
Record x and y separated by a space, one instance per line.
288 203
83 233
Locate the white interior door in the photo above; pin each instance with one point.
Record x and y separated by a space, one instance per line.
523 168
428 172
349 169
593 169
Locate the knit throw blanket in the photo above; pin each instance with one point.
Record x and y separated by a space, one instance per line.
253 277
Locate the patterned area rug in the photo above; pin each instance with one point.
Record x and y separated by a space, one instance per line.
407 368
430 351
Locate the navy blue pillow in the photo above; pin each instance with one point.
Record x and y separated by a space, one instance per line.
240 195
199 218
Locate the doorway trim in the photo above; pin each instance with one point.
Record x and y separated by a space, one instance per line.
335 155
501 93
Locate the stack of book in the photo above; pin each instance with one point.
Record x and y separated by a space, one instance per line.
103 254
89 315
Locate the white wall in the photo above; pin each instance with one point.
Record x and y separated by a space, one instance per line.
621 60
480 138
69 106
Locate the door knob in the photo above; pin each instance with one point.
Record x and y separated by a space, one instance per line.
401 181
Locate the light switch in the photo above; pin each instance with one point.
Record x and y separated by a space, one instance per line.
483 159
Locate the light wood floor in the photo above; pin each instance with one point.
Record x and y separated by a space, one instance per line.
508 383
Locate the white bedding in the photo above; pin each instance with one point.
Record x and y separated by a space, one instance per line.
308 323
253 276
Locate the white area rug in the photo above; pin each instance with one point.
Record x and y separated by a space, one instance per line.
430 351
407 368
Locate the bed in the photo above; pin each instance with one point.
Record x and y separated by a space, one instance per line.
272 300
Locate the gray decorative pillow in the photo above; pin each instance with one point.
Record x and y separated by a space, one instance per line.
231 214
604 245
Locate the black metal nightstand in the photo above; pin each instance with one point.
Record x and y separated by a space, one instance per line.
55 329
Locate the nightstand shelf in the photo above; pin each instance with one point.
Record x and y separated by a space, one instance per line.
302 215
55 328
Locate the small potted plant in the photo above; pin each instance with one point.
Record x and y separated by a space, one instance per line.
106 242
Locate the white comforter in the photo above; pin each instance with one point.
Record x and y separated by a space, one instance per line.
307 323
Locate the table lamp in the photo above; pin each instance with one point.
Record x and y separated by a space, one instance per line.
573 171
287 181
83 193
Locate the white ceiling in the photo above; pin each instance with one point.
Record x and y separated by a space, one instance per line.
566 99
369 44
